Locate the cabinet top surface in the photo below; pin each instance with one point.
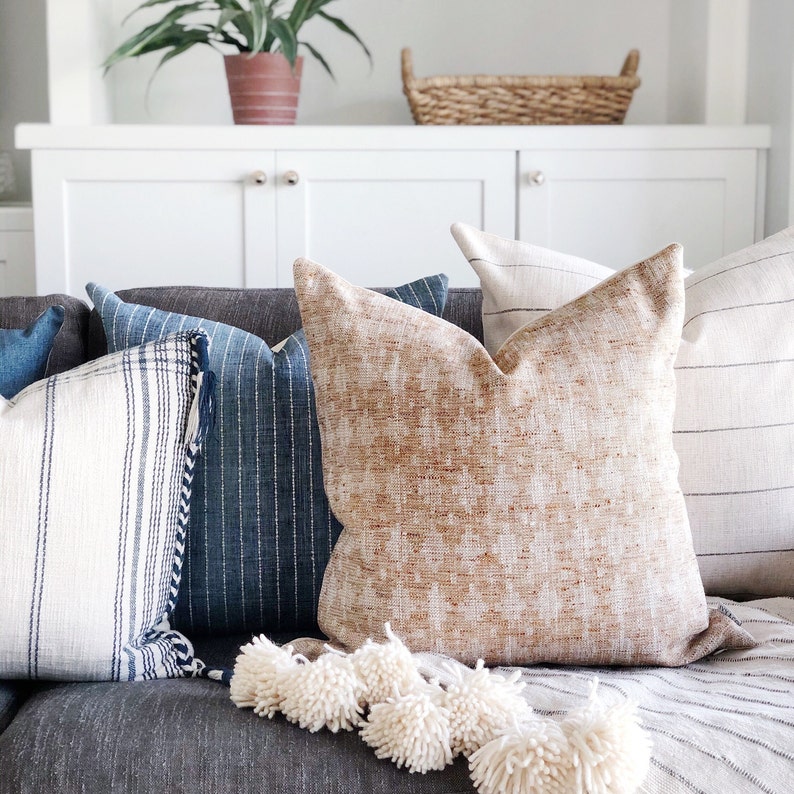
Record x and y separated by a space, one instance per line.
139 136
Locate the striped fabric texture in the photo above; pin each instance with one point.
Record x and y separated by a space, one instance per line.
734 418
723 725
518 509
24 352
261 530
96 465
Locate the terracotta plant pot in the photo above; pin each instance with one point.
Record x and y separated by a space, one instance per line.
263 88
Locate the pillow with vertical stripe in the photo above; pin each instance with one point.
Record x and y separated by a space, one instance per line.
96 465
261 530
734 418
24 352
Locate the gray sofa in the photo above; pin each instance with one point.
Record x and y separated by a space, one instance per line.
725 724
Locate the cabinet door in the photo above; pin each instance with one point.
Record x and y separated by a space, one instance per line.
616 207
382 218
16 251
153 218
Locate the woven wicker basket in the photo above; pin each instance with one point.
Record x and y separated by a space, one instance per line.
532 99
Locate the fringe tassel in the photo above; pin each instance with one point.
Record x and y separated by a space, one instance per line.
423 724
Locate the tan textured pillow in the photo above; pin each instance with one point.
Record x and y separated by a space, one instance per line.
733 429
518 509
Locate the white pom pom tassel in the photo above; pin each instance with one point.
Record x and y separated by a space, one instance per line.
256 664
610 751
382 667
533 756
412 729
481 704
325 693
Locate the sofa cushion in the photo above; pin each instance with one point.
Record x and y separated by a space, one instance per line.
518 509
187 736
69 347
24 351
12 695
734 419
723 724
95 465
261 530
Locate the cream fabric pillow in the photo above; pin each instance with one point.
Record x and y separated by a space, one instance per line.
734 418
517 509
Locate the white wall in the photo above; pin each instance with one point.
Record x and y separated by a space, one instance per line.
446 36
23 79
770 80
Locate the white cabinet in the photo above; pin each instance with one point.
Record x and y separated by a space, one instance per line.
235 206
616 207
382 217
125 218
16 251
240 219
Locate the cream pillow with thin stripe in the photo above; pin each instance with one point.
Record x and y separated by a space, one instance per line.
734 418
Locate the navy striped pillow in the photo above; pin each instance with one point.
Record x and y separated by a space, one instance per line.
261 530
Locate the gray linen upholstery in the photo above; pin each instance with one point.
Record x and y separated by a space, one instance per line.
69 349
271 314
12 695
185 735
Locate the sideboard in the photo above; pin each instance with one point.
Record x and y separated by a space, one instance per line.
132 205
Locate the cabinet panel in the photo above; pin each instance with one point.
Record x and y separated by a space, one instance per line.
154 218
617 207
382 218
16 251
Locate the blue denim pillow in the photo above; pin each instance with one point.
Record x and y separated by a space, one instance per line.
24 352
261 530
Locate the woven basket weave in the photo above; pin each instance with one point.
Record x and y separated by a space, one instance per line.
531 99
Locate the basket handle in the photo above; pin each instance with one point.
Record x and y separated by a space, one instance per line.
630 64
407 66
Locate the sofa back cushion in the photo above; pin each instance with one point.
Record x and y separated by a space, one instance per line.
271 314
261 530
69 348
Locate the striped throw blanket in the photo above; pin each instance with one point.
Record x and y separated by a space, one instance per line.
723 725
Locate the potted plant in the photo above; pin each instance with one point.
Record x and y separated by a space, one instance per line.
263 69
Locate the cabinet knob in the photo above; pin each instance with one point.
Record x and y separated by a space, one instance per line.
291 177
536 178
259 177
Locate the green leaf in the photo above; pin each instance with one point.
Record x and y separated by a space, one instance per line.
319 58
289 41
150 37
298 15
337 23
243 24
259 24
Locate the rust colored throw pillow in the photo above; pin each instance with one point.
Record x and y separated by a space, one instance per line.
522 508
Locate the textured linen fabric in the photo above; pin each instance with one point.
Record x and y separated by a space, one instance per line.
187 736
734 420
95 465
261 530
718 726
69 346
24 352
517 509
521 282
12 695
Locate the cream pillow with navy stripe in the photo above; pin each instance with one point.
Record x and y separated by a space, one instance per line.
96 465
261 530
734 417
